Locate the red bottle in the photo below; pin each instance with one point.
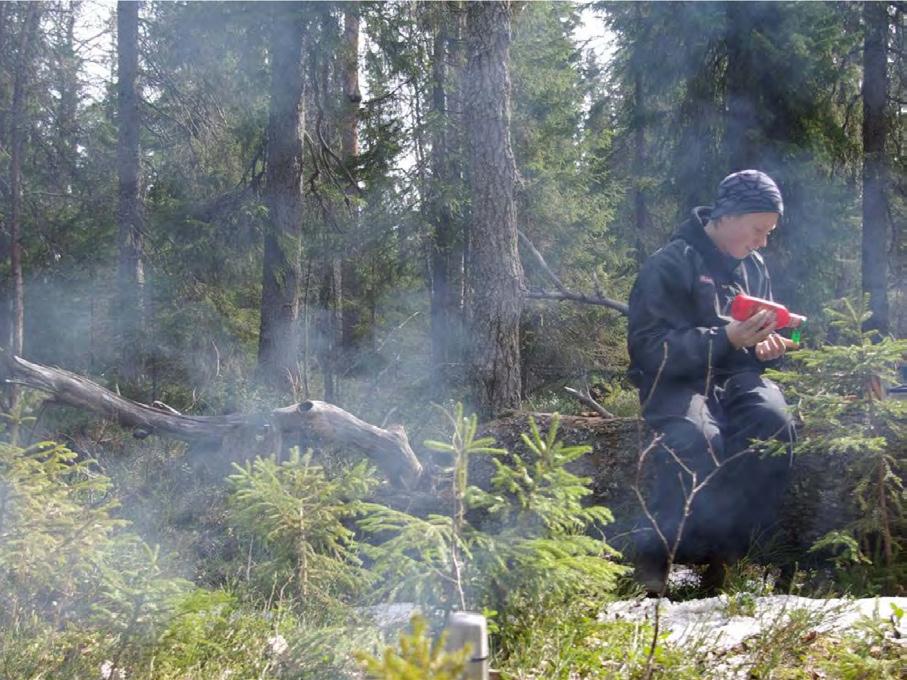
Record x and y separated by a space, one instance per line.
744 306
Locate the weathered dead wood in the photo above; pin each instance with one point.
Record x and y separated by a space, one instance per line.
74 390
388 448
563 292
586 399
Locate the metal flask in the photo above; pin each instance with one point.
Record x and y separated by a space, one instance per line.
470 628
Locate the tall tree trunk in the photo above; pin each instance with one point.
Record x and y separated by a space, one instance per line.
277 346
456 139
495 284
6 17
328 128
329 302
898 180
439 214
875 204
130 308
351 322
6 73
68 86
446 243
17 135
640 214
696 158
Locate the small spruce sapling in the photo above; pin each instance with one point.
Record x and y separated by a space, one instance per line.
298 514
539 543
837 390
430 559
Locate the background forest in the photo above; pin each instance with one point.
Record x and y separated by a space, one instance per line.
230 207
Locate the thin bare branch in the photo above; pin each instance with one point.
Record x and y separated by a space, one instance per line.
563 292
541 260
585 398
579 297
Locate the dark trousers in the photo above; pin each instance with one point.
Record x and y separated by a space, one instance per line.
703 432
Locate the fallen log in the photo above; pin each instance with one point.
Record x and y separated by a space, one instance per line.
389 448
81 393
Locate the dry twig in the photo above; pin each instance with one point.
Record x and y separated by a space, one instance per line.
563 292
586 398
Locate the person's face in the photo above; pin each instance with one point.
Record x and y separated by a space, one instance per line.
739 235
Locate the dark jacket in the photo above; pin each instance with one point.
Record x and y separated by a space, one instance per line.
681 299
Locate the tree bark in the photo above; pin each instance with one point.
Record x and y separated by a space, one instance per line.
67 83
352 331
640 214
898 185
495 283
875 131
330 304
277 346
6 19
327 128
17 134
446 244
388 448
130 312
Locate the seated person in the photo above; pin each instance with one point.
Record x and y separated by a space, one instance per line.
699 375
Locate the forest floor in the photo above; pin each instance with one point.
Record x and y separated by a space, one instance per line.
733 634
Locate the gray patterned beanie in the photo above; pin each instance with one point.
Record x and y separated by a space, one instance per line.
747 191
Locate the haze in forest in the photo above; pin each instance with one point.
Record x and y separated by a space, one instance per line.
403 214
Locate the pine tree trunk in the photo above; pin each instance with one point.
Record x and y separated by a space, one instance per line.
67 83
875 204
5 21
446 245
456 140
351 323
898 87
330 326
495 288
16 142
640 214
130 266
277 347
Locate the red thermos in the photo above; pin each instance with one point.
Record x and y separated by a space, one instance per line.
744 306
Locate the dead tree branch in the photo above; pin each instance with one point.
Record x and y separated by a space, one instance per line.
579 297
563 292
388 448
585 398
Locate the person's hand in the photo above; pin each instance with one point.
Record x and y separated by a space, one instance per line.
752 331
772 347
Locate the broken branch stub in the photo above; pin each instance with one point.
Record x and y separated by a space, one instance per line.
388 448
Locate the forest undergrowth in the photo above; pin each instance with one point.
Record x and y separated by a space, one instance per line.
139 561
